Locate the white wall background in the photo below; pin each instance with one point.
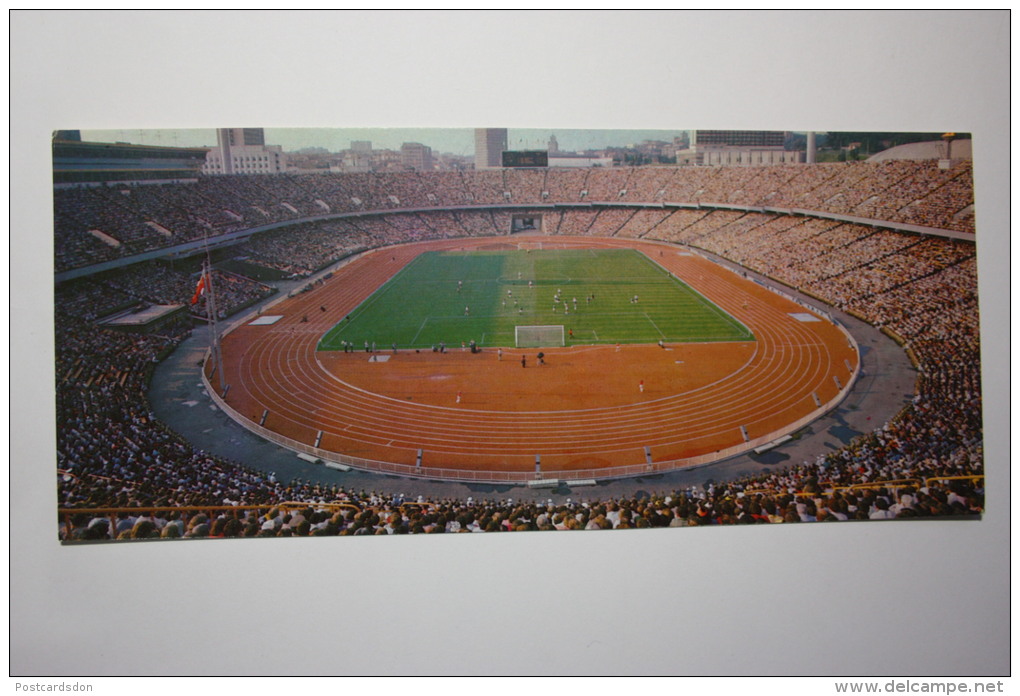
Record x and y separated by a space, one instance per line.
924 598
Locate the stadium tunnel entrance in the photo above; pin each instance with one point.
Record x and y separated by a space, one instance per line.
527 222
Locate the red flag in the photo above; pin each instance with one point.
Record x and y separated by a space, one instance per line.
199 290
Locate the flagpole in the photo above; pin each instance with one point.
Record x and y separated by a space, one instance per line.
214 340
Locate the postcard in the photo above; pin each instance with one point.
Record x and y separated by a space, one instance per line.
332 332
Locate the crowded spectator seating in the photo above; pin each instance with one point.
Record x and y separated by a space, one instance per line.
642 223
525 185
301 250
158 283
576 223
122 474
101 223
233 292
804 493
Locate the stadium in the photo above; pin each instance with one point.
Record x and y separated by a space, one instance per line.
383 331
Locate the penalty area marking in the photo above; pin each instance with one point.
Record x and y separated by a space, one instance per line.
654 325
420 329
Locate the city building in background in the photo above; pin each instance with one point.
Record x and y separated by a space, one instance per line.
738 148
138 155
417 157
489 146
352 161
571 159
243 136
244 151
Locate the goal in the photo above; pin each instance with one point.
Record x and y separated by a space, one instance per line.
538 336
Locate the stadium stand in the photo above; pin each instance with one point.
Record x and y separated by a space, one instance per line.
138 218
121 474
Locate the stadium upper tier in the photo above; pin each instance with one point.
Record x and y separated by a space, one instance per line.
97 224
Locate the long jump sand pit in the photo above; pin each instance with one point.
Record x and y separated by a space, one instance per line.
590 411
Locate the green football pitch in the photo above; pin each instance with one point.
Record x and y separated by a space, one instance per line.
459 297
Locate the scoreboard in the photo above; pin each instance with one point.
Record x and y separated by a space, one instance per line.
525 158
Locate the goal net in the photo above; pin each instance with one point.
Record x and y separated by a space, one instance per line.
539 336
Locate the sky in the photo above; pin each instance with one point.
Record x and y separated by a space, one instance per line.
457 141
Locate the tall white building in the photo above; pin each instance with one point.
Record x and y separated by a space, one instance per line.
244 151
489 146
738 148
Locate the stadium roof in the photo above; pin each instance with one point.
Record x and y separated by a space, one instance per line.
933 149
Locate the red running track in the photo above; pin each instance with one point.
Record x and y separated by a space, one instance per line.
584 416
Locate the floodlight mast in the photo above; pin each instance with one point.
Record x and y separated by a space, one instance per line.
214 340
